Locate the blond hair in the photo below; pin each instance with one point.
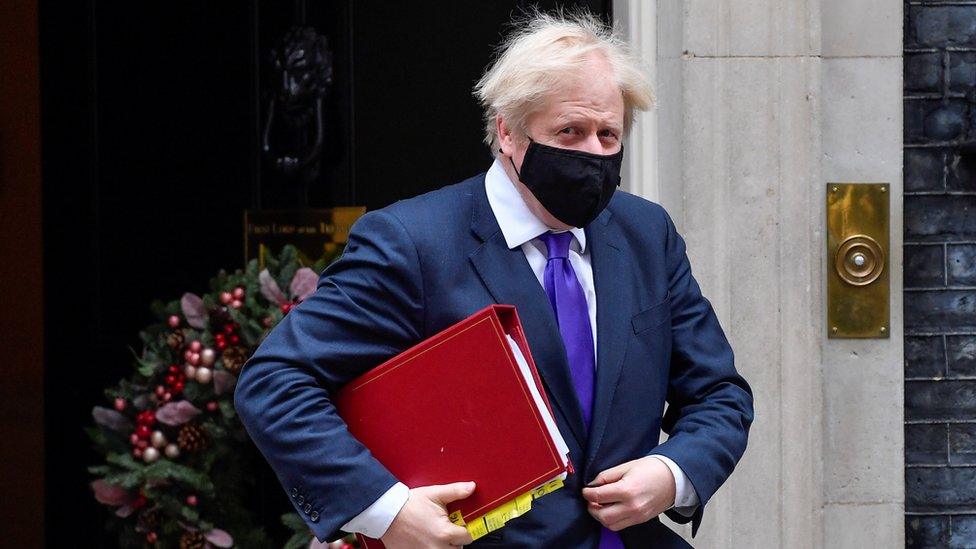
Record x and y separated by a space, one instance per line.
545 51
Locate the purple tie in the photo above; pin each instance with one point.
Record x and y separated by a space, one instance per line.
569 304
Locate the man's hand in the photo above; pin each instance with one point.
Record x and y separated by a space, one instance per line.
423 522
631 493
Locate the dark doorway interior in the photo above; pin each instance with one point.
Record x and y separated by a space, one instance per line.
151 115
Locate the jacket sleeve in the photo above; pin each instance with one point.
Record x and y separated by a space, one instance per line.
367 307
709 403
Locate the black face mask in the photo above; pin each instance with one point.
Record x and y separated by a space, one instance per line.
574 186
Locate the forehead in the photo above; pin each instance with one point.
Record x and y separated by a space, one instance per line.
591 95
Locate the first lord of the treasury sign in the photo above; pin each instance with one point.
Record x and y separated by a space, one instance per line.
317 233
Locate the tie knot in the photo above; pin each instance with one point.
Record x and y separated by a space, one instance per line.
557 244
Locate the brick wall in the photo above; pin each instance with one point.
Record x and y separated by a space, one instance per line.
940 273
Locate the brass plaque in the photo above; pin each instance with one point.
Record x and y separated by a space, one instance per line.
317 233
858 290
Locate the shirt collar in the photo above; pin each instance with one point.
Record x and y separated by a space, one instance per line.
517 222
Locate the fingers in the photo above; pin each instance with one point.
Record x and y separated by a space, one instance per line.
612 474
610 514
630 493
605 487
616 517
608 493
456 535
423 520
446 493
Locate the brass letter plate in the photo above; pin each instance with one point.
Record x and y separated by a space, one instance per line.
857 260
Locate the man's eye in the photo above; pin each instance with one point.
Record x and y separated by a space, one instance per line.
608 133
566 130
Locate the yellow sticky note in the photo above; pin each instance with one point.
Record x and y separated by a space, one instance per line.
477 528
456 518
497 517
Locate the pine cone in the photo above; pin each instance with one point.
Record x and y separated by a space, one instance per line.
234 359
175 340
192 438
192 540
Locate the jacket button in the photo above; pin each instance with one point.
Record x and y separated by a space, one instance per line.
301 500
308 508
314 516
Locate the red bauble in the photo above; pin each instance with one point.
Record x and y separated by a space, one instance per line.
137 452
221 344
238 293
160 390
173 321
285 307
151 537
226 297
177 387
212 406
235 339
143 431
146 417
133 439
120 404
228 329
170 379
195 346
174 368
191 500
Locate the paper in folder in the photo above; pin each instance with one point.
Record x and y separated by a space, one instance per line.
464 405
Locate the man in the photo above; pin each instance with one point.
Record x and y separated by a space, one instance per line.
615 321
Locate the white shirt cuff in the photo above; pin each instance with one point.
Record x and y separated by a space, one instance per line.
685 497
377 518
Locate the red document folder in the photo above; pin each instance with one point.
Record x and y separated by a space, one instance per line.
456 407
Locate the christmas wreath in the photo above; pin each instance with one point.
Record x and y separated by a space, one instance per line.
176 465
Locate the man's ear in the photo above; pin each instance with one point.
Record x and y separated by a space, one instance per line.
506 141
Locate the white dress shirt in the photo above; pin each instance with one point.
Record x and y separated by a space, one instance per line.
521 229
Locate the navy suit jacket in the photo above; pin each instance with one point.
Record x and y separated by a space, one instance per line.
420 265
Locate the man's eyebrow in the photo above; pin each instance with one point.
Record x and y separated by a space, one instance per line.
562 119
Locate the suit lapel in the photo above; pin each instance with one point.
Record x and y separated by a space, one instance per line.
613 326
510 280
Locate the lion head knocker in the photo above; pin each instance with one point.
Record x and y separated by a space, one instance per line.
302 68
